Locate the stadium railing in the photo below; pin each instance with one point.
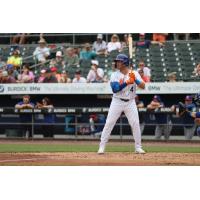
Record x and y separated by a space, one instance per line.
69 122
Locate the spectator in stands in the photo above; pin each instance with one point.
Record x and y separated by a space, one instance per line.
27 76
109 72
78 78
19 38
142 43
49 118
12 71
2 63
184 36
71 59
42 76
95 74
49 77
15 59
87 53
114 44
42 52
76 51
146 70
25 118
140 104
161 118
64 77
196 71
125 41
58 61
172 77
55 73
146 79
159 38
99 46
6 78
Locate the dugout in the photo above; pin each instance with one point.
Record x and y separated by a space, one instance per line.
66 123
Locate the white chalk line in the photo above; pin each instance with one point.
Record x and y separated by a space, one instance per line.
30 159
23 159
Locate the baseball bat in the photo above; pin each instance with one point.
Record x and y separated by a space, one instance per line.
130 48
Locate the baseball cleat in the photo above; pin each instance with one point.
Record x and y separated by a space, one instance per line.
101 150
140 151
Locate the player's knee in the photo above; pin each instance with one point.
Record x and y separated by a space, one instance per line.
134 122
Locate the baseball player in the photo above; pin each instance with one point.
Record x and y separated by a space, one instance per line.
188 110
187 119
123 83
196 117
160 118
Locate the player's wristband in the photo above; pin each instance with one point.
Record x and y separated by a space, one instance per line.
138 81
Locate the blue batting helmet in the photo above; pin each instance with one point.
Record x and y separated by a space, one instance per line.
123 58
198 131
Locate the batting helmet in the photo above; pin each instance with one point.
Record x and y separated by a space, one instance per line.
198 131
123 58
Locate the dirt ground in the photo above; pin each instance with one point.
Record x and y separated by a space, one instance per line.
93 159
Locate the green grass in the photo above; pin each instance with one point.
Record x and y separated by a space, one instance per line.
89 148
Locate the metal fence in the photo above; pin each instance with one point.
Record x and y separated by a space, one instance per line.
75 123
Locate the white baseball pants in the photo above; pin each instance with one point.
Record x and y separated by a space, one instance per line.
130 110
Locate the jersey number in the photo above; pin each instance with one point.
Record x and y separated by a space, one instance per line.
131 89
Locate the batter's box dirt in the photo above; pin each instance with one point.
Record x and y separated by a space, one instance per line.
92 159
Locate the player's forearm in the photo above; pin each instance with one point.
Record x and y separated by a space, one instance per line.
18 106
29 106
116 86
142 85
152 107
139 83
140 105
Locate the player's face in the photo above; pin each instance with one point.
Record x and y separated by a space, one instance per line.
44 102
187 102
119 64
26 100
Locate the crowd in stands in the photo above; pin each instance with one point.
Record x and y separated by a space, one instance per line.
56 69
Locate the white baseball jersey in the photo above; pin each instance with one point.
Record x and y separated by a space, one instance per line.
130 90
118 106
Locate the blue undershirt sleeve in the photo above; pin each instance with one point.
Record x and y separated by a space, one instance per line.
116 87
